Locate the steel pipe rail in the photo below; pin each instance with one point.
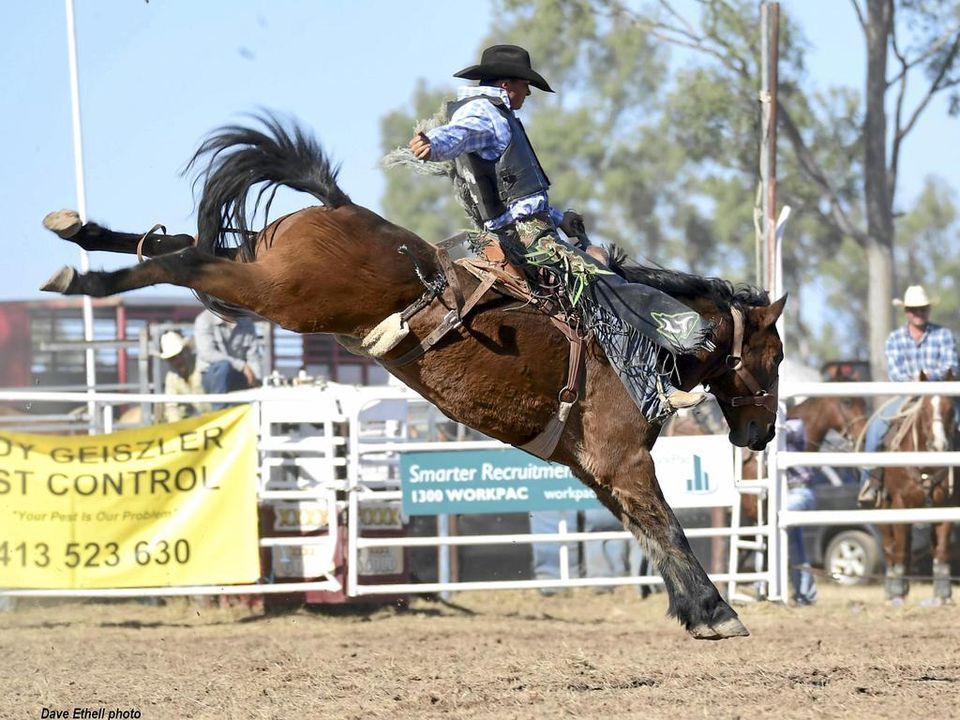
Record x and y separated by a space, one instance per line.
868 459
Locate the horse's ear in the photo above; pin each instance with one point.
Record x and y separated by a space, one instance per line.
922 377
767 316
949 376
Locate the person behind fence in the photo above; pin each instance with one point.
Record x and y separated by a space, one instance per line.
504 188
229 354
800 496
917 345
546 555
183 377
612 558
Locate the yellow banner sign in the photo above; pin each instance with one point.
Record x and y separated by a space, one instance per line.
172 504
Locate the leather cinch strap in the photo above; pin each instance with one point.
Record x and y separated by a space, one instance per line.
546 442
455 317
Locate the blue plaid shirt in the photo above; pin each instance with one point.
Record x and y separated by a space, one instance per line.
934 354
478 127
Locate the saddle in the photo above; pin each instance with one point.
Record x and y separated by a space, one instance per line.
497 275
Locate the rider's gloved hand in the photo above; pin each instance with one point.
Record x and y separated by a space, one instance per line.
572 224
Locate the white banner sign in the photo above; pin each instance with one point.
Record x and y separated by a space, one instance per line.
697 470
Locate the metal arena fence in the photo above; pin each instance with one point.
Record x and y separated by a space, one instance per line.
339 447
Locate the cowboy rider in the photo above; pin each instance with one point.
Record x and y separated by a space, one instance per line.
494 158
920 345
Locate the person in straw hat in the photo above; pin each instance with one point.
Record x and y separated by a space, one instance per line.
182 378
919 345
640 328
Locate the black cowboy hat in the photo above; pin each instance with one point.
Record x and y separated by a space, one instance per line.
504 62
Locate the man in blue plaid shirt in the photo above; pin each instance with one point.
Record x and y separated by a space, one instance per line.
920 345
499 168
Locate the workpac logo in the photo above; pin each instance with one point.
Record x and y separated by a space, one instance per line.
700 482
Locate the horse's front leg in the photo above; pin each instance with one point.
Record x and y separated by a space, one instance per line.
940 543
92 237
896 548
632 493
235 283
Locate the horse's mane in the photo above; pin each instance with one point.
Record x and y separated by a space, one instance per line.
681 285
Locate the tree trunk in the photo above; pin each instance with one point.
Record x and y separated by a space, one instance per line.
878 196
879 297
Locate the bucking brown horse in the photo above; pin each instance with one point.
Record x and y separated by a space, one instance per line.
342 269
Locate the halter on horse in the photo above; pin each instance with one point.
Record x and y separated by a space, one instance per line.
337 269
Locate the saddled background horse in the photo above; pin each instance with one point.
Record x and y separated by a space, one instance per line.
339 269
924 423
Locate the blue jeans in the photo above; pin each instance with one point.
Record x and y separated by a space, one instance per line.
546 556
222 377
879 424
610 558
804 584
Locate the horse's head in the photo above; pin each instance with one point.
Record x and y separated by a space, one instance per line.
746 383
937 423
849 417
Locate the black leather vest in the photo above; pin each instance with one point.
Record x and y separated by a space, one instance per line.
516 174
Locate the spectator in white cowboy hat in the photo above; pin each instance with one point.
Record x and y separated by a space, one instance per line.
920 345
183 377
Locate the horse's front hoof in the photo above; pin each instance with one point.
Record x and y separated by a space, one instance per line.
65 223
897 602
60 281
731 627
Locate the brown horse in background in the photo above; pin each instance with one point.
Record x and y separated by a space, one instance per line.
339 269
925 423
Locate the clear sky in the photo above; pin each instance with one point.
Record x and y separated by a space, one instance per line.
156 77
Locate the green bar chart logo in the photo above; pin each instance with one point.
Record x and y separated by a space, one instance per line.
700 482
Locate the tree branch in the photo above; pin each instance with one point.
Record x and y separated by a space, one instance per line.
685 36
859 12
813 170
934 47
935 87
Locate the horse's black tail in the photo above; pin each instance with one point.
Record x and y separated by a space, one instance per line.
241 158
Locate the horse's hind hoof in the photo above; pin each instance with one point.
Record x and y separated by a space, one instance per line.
61 280
65 223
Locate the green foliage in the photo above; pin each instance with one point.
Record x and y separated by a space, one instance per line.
420 203
654 135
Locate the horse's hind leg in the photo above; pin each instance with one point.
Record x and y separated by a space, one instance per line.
235 283
896 547
92 237
636 499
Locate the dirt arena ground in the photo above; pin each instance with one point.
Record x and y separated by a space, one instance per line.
486 655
